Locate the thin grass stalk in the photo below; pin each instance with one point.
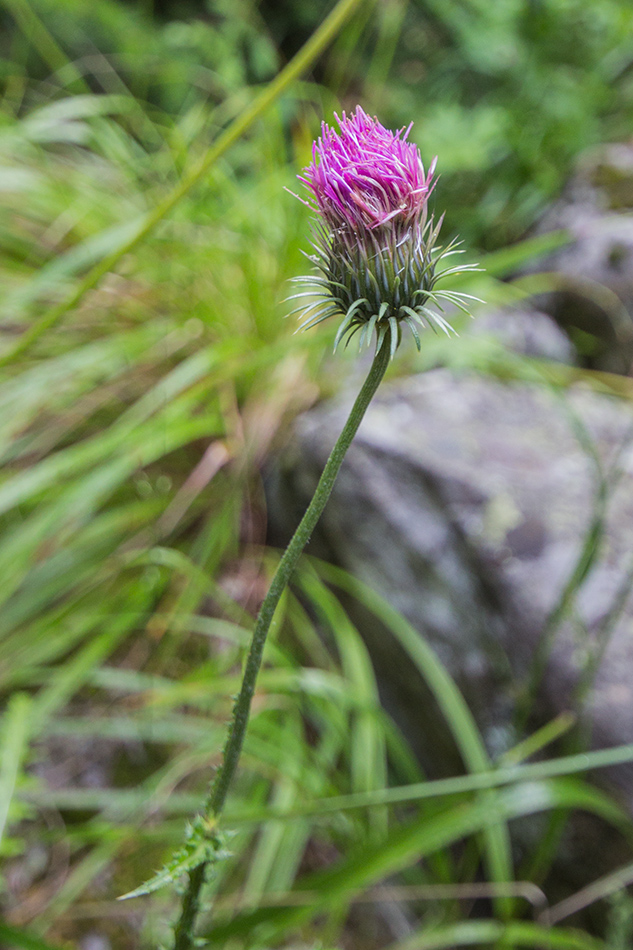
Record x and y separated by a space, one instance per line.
298 65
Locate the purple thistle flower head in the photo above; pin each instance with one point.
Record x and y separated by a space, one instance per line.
375 247
365 176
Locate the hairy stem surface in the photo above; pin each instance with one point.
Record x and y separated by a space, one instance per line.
237 729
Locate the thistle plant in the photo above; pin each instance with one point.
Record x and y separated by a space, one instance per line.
376 258
376 251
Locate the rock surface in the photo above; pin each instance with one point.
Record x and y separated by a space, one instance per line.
470 505
527 332
593 299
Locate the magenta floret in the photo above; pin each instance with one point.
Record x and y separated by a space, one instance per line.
365 176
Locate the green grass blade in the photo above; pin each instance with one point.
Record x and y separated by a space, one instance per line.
15 738
543 737
367 738
411 843
488 932
451 703
306 56
14 938
497 778
505 261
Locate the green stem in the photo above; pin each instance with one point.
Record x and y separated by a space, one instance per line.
241 709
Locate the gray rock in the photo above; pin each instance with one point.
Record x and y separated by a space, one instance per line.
94 941
528 332
468 504
593 299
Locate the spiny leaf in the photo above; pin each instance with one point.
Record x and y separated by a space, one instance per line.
204 844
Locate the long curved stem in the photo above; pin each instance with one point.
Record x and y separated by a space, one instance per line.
241 709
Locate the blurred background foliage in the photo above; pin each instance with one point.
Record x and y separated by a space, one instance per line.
133 432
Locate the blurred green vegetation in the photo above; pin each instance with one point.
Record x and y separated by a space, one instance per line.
133 431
